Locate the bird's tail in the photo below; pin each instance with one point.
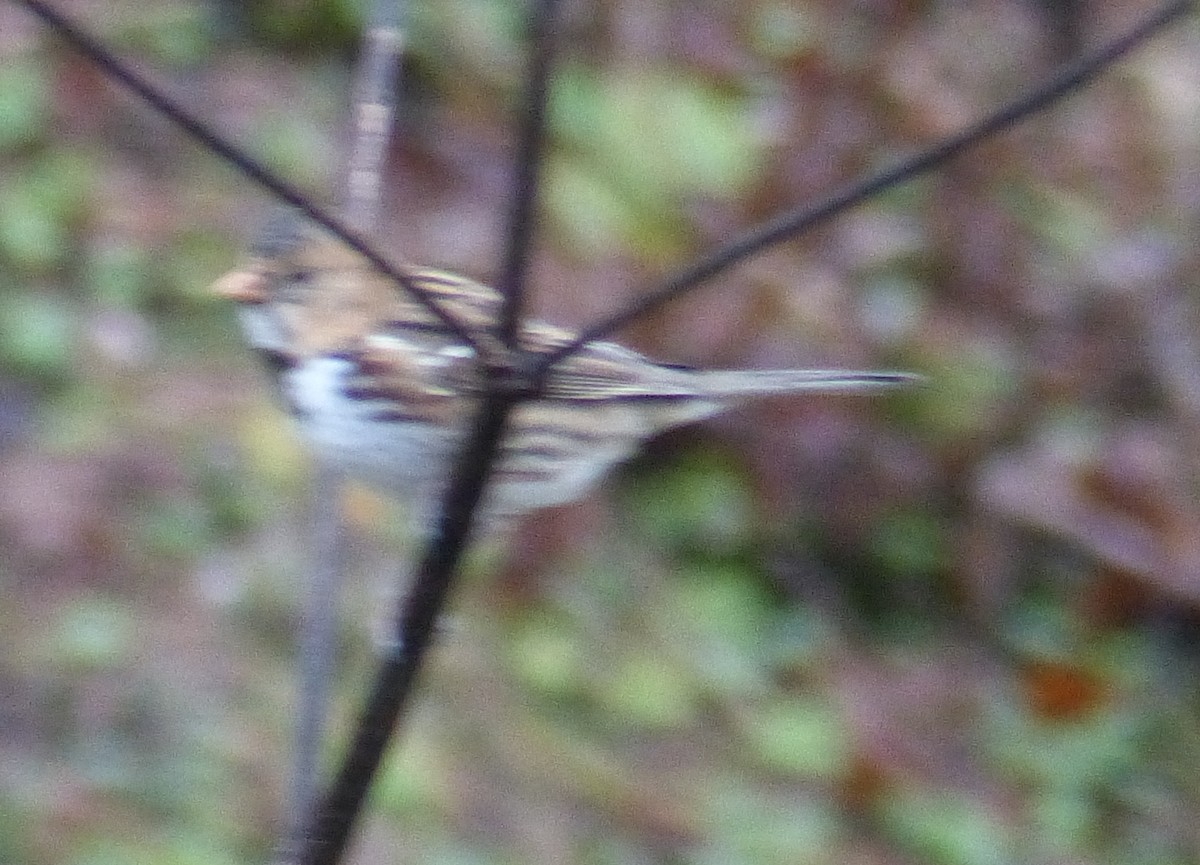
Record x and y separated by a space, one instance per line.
731 384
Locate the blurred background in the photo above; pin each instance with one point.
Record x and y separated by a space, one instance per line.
956 625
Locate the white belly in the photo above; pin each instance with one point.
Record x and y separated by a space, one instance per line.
403 458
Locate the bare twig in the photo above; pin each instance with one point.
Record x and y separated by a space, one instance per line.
328 831
528 163
331 824
373 110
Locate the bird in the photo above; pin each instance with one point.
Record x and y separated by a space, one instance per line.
384 390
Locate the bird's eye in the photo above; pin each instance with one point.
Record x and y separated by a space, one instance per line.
295 285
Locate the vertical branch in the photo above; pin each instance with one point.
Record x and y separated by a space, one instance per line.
327 548
373 110
530 147
333 820
325 837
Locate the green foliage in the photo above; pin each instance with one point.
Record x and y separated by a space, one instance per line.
414 785
16 816
911 545
545 653
963 395
24 102
175 849
92 633
294 146
459 39
782 30
172 33
700 504
799 736
946 829
38 336
639 145
119 276
39 205
313 27
723 603
643 691
760 828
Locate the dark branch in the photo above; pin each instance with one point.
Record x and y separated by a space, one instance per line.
334 818
795 223
528 168
373 111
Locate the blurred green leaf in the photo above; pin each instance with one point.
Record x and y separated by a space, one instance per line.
295 146
465 854
699 503
545 653
178 848
38 205
640 145
783 29
964 395
760 828
411 785
24 100
118 276
93 633
643 690
170 33
946 829
586 205
18 822
1062 821
1070 224
311 28
1084 756
805 737
911 544
174 528
31 234
38 335
722 602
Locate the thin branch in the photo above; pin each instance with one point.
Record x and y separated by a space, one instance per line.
333 821
374 109
317 635
248 166
793 224
528 168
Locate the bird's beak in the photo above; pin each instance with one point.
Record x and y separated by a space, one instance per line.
242 286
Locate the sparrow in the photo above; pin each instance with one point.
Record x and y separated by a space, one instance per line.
384 390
